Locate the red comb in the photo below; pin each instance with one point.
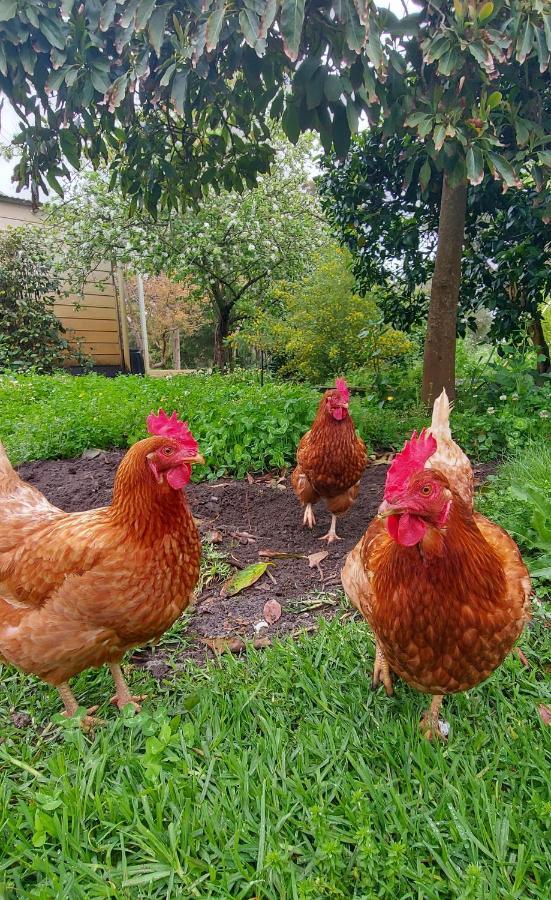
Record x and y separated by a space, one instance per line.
410 460
171 426
342 388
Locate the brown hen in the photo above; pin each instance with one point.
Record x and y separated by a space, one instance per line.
80 589
444 589
331 459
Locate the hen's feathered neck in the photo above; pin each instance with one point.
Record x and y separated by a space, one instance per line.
142 505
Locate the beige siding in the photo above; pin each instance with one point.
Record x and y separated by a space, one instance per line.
91 319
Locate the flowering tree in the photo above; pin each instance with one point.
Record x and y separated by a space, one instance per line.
228 248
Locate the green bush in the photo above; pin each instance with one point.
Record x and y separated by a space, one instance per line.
31 337
519 499
241 427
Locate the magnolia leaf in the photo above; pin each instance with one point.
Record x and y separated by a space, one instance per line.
3 62
179 91
144 12
354 31
107 15
53 33
8 9
267 17
214 26
70 146
475 165
526 44
439 136
156 27
291 22
250 26
424 175
504 169
244 579
271 612
341 131
485 12
494 99
290 122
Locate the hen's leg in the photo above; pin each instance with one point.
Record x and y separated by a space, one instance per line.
69 702
381 672
332 533
123 695
430 723
309 518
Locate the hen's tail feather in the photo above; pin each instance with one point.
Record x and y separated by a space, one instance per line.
440 425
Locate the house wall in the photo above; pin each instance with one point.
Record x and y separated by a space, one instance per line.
95 321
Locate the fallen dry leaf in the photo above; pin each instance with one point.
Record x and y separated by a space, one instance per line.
215 537
545 714
314 559
92 453
260 643
280 554
243 537
271 611
384 460
250 478
523 658
224 644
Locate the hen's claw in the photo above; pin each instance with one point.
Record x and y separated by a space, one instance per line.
381 673
309 518
332 533
123 696
123 700
431 726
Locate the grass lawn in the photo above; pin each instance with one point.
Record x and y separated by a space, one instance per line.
280 775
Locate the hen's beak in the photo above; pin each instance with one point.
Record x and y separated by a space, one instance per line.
386 509
193 459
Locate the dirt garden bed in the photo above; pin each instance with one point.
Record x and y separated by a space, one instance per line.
243 519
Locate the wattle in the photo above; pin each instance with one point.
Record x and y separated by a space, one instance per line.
406 529
178 478
338 413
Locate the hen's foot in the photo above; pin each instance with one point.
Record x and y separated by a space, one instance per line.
122 700
432 727
309 518
381 673
332 533
88 721
123 696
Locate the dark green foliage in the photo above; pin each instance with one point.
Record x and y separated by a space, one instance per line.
31 337
210 76
383 212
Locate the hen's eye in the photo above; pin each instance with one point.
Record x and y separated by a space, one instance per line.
167 451
426 490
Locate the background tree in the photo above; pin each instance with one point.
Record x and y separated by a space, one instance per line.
175 312
390 224
31 337
228 247
466 78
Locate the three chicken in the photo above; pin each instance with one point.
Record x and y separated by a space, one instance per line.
444 590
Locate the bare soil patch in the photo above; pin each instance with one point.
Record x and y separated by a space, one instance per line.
245 519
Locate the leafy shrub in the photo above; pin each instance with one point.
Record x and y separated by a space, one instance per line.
321 328
31 337
519 499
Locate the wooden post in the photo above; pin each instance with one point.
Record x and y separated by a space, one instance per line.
123 321
176 360
143 323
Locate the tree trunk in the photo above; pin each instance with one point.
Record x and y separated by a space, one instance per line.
439 358
221 332
535 330
176 359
